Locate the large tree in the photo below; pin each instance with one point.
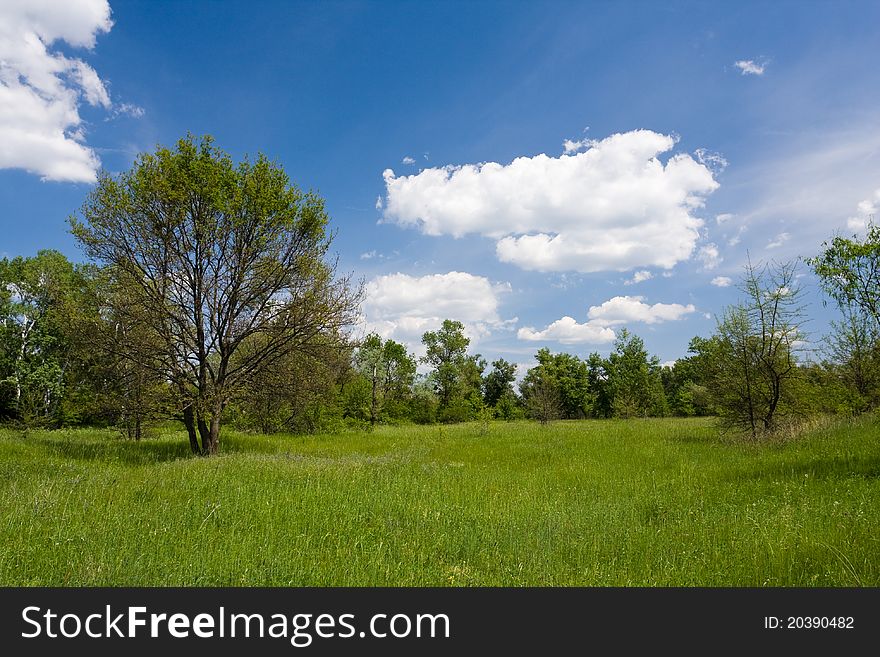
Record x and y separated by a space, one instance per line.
223 266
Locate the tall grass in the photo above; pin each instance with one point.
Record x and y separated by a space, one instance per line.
593 503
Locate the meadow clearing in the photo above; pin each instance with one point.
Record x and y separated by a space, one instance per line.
658 502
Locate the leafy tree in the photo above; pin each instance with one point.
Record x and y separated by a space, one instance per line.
685 383
299 391
39 304
849 270
568 375
446 353
389 370
225 266
399 374
599 382
636 388
457 377
499 381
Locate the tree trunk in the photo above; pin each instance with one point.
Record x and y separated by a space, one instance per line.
205 433
189 420
214 435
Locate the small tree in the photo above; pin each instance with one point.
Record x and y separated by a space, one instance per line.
754 365
541 395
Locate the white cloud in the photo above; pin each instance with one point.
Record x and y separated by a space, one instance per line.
723 218
568 331
639 276
615 311
626 309
407 160
41 130
379 203
709 256
615 206
403 307
866 211
750 67
722 281
778 241
369 255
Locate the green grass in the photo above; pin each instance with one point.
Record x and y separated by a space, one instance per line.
592 503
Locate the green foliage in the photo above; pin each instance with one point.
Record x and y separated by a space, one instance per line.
557 387
456 376
499 381
40 306
636 387
849 270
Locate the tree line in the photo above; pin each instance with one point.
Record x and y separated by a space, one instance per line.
211 297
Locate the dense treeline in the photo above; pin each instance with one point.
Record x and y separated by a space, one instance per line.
211 299
55 372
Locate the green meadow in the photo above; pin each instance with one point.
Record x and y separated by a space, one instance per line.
660 502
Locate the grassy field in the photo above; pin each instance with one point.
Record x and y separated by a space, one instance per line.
594 503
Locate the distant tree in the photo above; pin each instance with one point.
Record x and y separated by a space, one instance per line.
499 381
224 265
754 364
541 396
568 375
446 354
852 351
457 376
599 381
636 387
389 370
40 301
685 383
399 374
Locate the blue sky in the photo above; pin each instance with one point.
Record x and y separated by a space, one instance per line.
696 132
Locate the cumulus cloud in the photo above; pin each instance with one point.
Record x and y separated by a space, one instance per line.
596 330
626 309
41 89
866 212
722 281
568 331
639 276
614 206
403 307
750 67
778 241
407 160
